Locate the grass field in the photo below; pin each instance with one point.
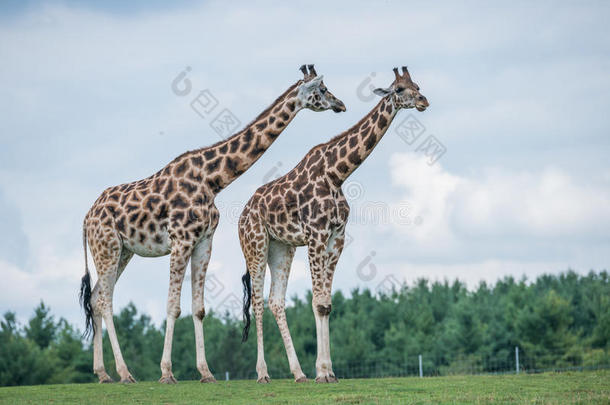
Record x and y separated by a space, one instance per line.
548 388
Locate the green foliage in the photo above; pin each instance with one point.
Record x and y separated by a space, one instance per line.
41 329
22 360
556 321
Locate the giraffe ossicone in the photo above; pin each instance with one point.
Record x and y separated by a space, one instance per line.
173 212
306 207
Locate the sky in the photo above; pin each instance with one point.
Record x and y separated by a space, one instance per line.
506 173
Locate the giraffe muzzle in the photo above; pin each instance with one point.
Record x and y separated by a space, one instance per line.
339 107
422 103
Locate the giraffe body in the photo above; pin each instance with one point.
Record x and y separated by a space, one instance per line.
173 212
306 207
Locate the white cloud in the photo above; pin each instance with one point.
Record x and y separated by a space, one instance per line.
496 202
13 240
54 279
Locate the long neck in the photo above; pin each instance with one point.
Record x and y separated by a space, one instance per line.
348 150
228 159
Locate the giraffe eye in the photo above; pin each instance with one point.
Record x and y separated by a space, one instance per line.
323 91
400 89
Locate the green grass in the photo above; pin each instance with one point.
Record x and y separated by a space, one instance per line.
549 388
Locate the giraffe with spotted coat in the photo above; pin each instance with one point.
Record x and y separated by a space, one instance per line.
306 207
173 212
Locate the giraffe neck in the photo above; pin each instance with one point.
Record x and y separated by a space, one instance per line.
225 161
347 151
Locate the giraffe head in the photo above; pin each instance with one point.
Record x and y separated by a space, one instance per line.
404 92
314 95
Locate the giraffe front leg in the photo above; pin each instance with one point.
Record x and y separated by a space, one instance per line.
179 258
199 265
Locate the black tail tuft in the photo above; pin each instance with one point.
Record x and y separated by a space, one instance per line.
245 280
85 301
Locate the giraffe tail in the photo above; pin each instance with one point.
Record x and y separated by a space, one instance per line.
84 296
245 280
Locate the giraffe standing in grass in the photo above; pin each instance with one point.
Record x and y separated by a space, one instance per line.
173 212
306 207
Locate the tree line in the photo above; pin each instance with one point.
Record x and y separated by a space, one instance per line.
555 320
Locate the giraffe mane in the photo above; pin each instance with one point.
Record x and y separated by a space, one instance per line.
351 129
323 146
240 132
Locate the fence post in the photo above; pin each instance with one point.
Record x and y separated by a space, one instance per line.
226 376
421 369
517 359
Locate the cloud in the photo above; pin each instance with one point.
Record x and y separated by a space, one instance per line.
13 240
496 203
54 279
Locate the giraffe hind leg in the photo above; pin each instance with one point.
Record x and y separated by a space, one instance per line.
258 306
323 268
280 259
179 259
110 260
199 265
98 356
255 253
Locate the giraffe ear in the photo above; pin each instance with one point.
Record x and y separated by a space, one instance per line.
383 92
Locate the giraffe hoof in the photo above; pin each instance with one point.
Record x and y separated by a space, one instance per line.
208 379
327 379
302 379
128 380
264 380
105 379
169 379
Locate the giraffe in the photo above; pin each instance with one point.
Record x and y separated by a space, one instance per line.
306 207
173 212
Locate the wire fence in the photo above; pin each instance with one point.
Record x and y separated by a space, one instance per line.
511 361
